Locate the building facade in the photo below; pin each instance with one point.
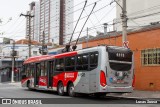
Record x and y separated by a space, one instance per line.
52 21
145 45
139 13
6 59
36 21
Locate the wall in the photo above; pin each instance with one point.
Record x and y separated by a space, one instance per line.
137 42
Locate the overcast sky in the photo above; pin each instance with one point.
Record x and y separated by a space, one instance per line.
15 28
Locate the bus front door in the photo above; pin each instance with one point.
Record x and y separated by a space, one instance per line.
36 76
50 74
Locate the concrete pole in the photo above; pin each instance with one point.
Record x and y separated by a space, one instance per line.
29 39
43 44
124 22
13 57
87 38
105 28
29 44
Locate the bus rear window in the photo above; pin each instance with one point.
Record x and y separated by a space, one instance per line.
120 66
120 54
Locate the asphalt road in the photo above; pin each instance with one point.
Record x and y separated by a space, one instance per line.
16 91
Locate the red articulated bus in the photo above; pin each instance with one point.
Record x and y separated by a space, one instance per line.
97 70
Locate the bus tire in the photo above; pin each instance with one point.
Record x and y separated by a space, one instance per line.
71 90
60 89
28 85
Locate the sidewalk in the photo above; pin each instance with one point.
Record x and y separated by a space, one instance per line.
136 94
18 84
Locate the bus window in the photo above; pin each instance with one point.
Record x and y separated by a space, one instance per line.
70 64
120 59
28 71
93 60
23 70
120 67
79 63
82 62
31 66
38 68
85 61
43 68
59 66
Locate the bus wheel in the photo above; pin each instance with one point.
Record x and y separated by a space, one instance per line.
60 89
29 85
71 90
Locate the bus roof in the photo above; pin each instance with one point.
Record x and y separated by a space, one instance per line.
48 57
67 54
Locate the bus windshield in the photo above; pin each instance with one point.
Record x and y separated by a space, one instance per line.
120 59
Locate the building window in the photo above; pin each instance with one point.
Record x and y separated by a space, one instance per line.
34 52
150 57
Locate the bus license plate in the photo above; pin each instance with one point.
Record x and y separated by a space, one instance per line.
120 81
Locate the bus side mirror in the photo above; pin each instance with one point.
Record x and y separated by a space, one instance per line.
24 76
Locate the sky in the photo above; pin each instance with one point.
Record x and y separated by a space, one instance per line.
13 26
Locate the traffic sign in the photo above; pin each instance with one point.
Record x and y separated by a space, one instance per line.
125 44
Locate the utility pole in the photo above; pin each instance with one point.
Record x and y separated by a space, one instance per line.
13 60
87 38
44 47
105 28
62 23
29 36
124 24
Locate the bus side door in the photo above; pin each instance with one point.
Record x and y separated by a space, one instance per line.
50 74
37 74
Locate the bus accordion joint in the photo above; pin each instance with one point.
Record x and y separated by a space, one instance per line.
103 79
